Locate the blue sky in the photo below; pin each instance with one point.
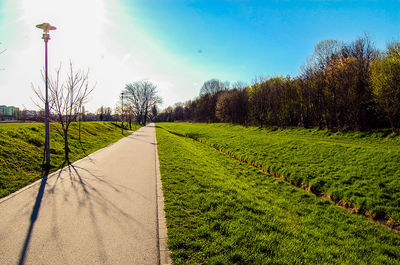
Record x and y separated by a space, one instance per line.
242 39
176 44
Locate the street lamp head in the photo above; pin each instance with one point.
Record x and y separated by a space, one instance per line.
46 27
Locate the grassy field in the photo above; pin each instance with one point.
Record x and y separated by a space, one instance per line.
360 170
222 211
22 145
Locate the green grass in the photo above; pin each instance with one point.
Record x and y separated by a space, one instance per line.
22 145
358 168
221 211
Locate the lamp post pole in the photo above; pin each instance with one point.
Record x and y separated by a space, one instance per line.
46 37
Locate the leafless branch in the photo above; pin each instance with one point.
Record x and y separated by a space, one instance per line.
66 97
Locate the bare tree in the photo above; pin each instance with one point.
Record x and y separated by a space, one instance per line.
239 85
66 98
154 112
142 95
178 111
104 114
213 86
129 115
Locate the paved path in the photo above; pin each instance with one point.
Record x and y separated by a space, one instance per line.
101 210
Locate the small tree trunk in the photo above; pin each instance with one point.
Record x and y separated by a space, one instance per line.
140 120
145 117
79 130
393 123
66 149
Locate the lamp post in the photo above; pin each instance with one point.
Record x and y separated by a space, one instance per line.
46 27
122 116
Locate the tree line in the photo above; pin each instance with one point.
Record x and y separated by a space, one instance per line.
343 86
67 98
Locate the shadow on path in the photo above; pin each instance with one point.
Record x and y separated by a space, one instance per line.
34 216
135 137
88 188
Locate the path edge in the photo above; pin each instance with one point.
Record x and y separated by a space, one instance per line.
39 181
162 232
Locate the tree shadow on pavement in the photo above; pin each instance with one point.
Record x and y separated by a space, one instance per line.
34 215
136 137
87 189
36 209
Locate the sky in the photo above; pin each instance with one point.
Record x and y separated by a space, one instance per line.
176 44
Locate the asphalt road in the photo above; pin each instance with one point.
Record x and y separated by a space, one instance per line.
100 210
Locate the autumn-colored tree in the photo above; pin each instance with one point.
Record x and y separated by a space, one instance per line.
342 86
232 106
385 79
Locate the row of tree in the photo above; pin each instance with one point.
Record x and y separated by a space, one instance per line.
101 114
342 86
67 98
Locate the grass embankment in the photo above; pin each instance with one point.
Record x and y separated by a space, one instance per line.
358 170
222 211
22 149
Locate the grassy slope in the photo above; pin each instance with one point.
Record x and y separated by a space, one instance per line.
360 168
220 211
22 145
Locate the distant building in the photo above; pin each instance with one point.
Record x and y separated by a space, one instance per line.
9 113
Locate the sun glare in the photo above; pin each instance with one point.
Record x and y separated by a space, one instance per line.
72 15
79 24
106 37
